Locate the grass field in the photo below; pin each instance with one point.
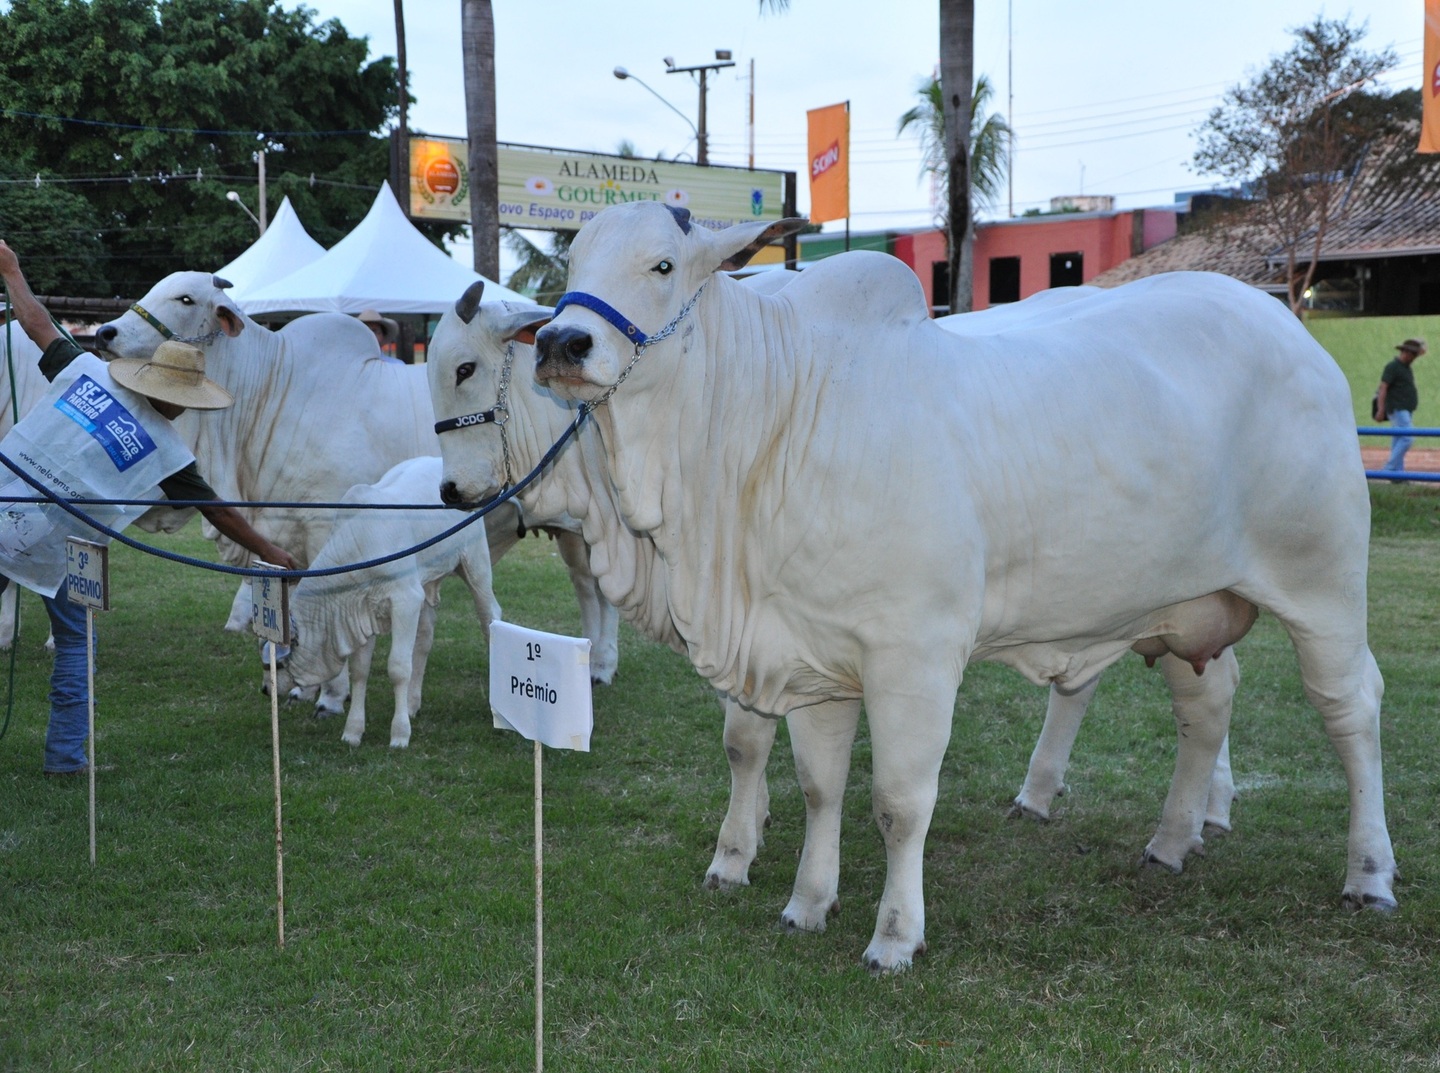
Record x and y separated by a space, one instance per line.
409 887
1362 345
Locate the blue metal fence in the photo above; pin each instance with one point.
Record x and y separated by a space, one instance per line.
1404 474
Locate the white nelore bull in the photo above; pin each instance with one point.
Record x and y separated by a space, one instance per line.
478 355
338 617
1107 474
309 422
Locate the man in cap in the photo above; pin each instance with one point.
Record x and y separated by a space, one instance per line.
103 431
1397 399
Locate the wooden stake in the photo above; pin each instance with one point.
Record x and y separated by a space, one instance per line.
539 924
90 690
279 838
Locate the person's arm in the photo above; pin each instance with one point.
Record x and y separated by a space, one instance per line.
1380 399
187 486
33 317
232 524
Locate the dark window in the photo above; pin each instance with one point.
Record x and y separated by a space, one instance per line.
1066 270
940 287
1004 280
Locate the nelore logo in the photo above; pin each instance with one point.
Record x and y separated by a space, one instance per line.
825 161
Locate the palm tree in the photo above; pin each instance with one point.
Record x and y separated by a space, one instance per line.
989 143
477 46
957 75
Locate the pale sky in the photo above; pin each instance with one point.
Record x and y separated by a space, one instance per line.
1106 94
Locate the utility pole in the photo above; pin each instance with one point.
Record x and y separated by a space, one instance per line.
722 60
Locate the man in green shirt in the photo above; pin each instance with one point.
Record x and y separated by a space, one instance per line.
170 385
1398 399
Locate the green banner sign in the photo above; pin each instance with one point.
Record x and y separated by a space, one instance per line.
557 190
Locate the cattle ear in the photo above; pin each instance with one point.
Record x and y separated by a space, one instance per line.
231 322
753 237
522 326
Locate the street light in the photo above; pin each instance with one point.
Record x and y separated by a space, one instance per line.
623 74
233 196
722 60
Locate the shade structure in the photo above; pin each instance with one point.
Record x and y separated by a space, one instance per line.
384 264
285 247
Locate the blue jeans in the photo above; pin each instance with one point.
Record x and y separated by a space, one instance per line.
69 688
1399 444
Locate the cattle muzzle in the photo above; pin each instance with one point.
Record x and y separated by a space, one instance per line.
451 497
562 346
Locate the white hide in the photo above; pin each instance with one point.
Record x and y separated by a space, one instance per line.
467 373
1047 495
338 617
315 413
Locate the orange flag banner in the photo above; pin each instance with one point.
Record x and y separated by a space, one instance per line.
829 130
1430 83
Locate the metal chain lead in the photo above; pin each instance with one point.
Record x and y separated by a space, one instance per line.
663 333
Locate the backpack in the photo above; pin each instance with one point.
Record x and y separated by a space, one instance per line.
1375 414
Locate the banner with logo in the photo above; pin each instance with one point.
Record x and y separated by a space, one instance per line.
557 190
1430 81
829 162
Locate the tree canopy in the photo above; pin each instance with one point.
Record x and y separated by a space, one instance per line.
123 123
1293 135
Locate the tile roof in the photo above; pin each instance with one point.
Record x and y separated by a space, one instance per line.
1390 207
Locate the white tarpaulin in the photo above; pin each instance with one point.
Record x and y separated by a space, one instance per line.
285 247
384 264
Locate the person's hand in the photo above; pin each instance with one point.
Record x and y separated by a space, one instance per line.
9 263
278 556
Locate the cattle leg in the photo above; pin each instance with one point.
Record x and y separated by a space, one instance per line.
424 640
1201 704
355 721
748 740
1343 682
821 736
405 619
332 695
909 730
1045 778
599 621
1222 790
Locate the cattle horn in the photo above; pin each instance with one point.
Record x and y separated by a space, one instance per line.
222 284
470 301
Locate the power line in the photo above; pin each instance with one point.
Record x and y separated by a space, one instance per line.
257 134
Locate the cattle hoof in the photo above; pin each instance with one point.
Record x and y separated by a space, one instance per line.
1149 860
1021 811
1375 903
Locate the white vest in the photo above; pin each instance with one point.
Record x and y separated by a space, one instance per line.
88 438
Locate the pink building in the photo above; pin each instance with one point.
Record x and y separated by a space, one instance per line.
1016 258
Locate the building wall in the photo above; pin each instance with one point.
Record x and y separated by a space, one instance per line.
1103 240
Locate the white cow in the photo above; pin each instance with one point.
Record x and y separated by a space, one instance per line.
338 617
473 358
309 422
1105 475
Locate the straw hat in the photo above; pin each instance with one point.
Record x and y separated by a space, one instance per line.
390 327
175 373
1416 346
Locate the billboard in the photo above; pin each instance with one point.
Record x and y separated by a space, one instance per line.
558 190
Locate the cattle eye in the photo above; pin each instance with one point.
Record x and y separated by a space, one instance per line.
186 300
664 267
464 372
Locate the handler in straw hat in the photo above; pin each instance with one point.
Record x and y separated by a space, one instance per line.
386 331
102 432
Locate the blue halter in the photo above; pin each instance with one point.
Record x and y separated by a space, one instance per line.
621 323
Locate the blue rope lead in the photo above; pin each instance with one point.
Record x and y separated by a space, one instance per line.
289 575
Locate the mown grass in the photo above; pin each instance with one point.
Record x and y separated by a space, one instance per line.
409 917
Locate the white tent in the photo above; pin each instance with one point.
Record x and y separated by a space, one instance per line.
384 264
285 247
